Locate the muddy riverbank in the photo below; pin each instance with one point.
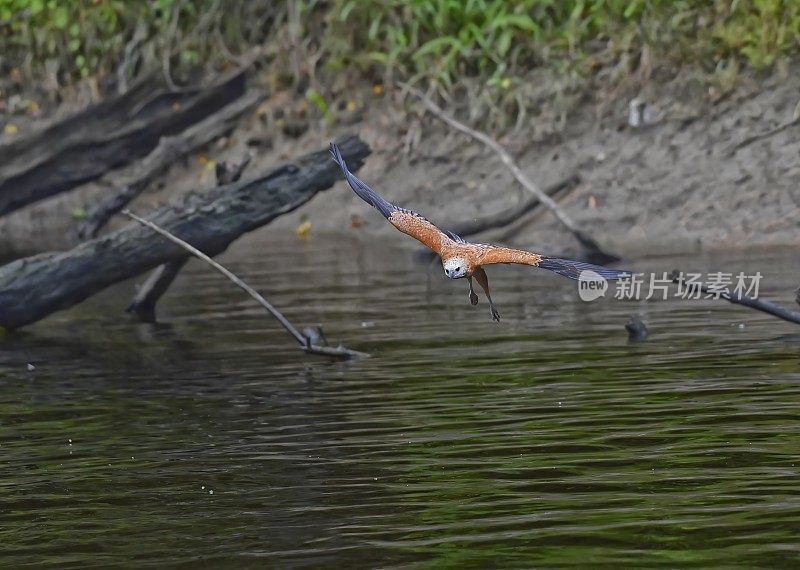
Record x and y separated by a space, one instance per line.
675 184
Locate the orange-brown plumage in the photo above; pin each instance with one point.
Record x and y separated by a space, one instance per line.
494 255
459 257
420 229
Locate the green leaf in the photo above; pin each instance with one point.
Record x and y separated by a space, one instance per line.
522 22
373 29
346 10
435 45
35 8
319 102
60 18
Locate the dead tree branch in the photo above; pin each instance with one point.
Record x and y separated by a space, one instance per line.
227 173
109 135
740 299
761 136
303 340
134 179
32 288
143 305
598 254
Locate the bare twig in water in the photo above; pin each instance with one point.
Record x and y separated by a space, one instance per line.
585 239
740 299
304 341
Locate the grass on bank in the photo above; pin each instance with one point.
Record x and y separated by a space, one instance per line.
443 44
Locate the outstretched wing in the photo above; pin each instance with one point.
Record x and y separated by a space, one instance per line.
407 221
491 255
564 267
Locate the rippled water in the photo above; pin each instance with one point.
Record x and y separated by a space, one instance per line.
547 440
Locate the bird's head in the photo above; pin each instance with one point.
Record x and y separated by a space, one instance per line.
455 267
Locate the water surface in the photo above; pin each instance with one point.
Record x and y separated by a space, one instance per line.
547 440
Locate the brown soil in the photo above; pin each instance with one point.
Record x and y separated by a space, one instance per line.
672 186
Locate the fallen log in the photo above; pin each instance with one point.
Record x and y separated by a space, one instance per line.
135 178
108 135
34 287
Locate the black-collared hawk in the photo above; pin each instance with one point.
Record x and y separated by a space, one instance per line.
461 258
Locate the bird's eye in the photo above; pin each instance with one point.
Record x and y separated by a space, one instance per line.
458 268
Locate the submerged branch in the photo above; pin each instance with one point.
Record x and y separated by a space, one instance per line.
303 340
599 255
143 304
740 299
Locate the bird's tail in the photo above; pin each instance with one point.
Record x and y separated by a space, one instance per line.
573 269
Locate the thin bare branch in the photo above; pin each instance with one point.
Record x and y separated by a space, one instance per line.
304 341
585 239
761 136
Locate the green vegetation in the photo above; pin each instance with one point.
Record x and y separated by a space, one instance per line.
443 41
76 38
437 43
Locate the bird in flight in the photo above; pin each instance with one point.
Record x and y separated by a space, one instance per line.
460 258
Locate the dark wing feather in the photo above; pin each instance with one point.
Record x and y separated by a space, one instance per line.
407 221
573 269
361 189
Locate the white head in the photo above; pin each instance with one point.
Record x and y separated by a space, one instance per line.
455 267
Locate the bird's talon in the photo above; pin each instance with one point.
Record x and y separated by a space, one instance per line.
495 315
473 298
